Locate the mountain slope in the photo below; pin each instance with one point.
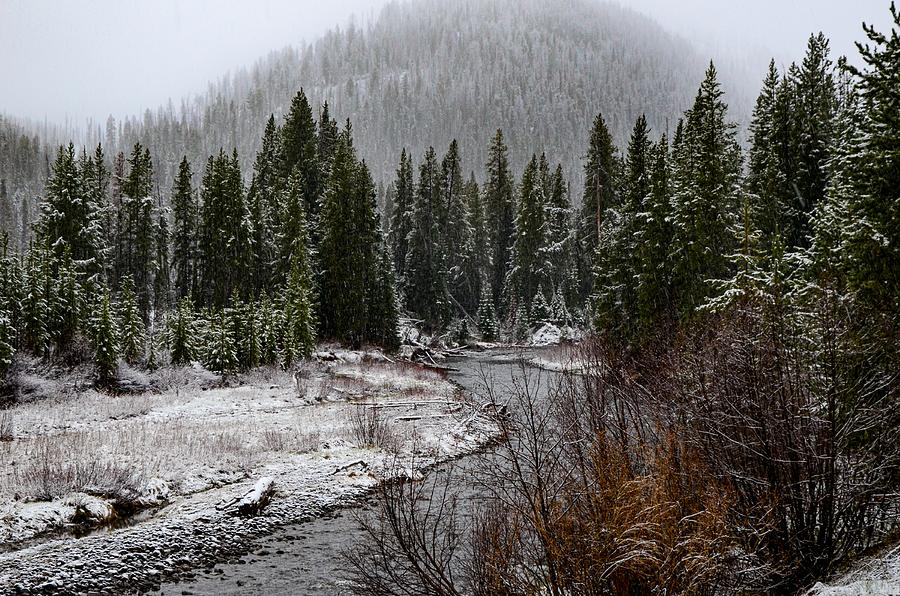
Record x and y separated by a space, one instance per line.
427 71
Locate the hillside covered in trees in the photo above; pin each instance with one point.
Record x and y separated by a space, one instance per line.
422 74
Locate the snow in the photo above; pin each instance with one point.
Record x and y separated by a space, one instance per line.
878 575
194 448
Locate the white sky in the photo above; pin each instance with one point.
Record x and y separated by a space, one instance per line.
71 59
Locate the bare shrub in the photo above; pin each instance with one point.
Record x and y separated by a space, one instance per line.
7 431
369 428
61 464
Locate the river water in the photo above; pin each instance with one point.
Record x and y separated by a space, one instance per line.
305 559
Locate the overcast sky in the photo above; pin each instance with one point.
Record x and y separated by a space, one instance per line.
70 59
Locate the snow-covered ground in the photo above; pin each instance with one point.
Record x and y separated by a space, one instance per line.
878 575
184 457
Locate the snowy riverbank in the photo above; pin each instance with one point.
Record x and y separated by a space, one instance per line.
188 454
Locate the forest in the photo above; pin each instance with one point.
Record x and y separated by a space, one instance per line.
740 427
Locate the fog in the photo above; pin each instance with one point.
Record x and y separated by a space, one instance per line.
66 60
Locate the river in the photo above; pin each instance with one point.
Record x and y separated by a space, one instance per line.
305 559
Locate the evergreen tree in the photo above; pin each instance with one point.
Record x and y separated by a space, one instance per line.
556 253
106 351
298 302
426 278
499 212
704 197
184 241
181 335
487 319
814 116
264 212
162 276
654 241
401 220
455 227
131 327
327 142
221 353
766 179
600 184
525 274
860 222
298 155
35 305
224 231
384 312
135 234
349 241
476 251
69 218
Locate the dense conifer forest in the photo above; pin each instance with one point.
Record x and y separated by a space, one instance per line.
755 290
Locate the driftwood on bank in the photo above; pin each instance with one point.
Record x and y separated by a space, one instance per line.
254 500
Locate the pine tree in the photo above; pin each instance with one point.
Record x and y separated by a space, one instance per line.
600 194
454 223
401 220
499 212
131 327
384 312
487 319
814 116
181 335
298 155
654 241
476 250
349 240
861 221
540 310
221 353
525 273
35 306
135 241
162 275
766 178
704 197
556 252
327 142
69 218
426 277
298 302
264 211
184 240
106 351
224 231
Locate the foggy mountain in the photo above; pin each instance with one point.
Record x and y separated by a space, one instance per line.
428 71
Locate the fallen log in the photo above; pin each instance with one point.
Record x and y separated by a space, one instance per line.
256 498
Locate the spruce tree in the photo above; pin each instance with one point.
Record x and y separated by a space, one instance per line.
264 212
455 228
180 334
426 277
487 319
131 327
224 232
298 155
221 352
557 250
327 142
184 236
106 351
298 302
525 274
162 275
704 197
654 241
384 312
600 194
401 220
499 209
861 220
136 245
347 252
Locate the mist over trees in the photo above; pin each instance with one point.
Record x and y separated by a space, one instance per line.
422 74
